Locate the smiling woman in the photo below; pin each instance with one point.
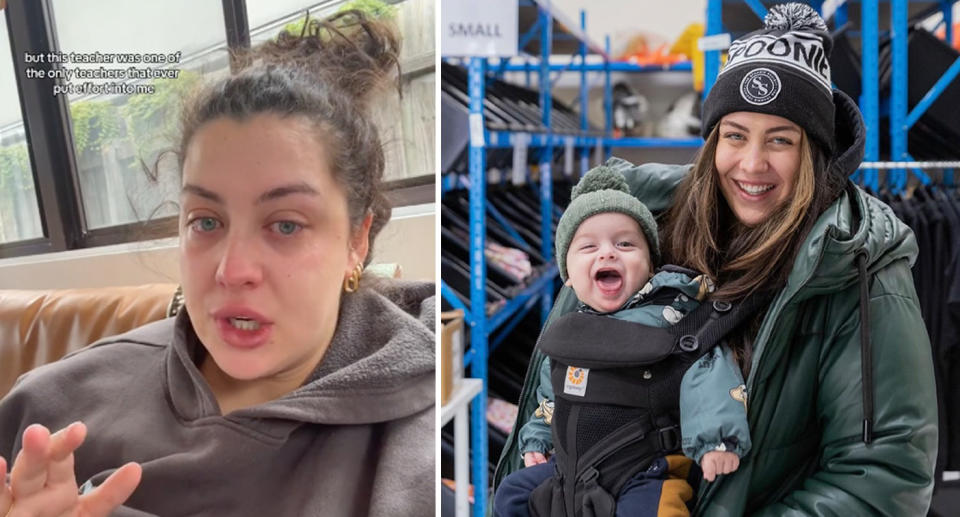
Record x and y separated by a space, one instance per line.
291 384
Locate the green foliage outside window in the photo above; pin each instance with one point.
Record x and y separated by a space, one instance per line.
14 161
152 117
148 119
94 124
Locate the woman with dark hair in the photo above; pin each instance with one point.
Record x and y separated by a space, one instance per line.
839 377
290 384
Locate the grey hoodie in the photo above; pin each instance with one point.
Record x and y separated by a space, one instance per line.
355 439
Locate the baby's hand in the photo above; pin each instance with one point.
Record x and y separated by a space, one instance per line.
715 463
533 458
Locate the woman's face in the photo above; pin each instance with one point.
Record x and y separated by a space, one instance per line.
757 159
265 244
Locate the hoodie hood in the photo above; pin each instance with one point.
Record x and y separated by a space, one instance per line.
379 366
855 221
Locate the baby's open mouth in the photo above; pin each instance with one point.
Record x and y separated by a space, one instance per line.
609 279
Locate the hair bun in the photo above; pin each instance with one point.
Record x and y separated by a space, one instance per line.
349 49
794 16
600 178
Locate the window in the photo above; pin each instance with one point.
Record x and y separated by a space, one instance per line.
86 167
19 213
154 53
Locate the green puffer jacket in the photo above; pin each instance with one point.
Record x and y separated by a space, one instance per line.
806 395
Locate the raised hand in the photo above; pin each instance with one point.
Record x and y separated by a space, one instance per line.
43 483
715 463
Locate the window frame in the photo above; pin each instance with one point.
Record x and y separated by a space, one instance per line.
31 28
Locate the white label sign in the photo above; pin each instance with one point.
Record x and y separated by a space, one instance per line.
715 42
520 143
476 130
481 29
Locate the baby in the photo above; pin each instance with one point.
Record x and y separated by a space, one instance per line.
606 251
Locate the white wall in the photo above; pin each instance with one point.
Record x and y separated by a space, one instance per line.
622 19
408 240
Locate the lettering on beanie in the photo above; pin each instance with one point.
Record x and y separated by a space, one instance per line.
760 86
798 50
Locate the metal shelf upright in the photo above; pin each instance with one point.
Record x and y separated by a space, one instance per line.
901 117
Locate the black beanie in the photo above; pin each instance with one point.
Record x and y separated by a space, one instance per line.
781 69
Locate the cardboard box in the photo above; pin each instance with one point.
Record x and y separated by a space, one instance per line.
451 353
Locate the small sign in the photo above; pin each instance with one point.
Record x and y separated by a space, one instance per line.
714 42
479 29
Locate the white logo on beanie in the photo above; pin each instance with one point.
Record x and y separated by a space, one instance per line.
760 86
799 51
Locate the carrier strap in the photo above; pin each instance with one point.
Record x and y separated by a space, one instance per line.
706 325
613 342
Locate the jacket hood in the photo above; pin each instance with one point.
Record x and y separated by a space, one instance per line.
379 366
855 222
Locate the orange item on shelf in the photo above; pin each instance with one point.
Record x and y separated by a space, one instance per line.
640 51
452 485
942 34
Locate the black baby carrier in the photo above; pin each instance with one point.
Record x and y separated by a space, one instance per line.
617 394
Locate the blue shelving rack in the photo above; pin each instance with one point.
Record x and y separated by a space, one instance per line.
540 292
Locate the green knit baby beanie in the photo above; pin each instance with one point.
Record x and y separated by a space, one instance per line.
602 189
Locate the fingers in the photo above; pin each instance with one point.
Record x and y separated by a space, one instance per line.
709 466
528 460
62 445
715 463
730 464
533 458
112 493
45 459
6 498
29 473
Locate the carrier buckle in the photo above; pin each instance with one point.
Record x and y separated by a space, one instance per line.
589 475
669 438
689 343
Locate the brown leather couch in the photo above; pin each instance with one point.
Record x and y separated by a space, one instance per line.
38 327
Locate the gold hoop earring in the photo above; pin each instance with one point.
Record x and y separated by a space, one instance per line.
352 283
